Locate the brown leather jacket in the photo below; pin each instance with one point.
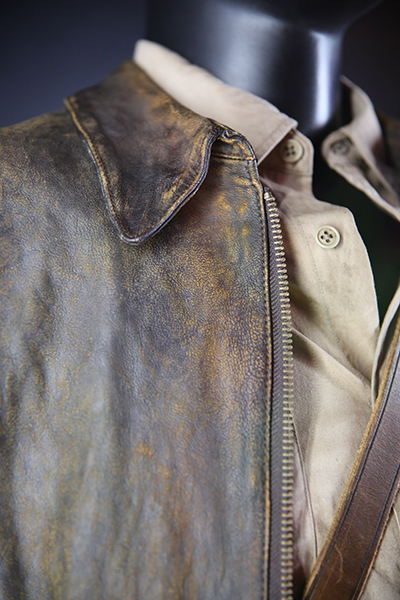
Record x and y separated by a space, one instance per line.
145 357
136 355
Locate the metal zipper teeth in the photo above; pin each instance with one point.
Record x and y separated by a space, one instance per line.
287 425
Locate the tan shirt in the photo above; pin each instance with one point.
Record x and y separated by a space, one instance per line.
338 341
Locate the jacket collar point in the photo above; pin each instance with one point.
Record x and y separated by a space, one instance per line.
150 152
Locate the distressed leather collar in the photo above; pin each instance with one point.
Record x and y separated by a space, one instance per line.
151 153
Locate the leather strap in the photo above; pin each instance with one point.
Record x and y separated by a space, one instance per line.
351 546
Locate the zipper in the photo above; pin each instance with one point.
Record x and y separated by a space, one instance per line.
280 452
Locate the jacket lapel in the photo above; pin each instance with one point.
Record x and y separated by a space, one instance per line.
151 153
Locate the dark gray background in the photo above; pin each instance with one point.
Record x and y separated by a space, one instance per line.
49 50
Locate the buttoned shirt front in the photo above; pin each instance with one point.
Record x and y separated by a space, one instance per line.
339 343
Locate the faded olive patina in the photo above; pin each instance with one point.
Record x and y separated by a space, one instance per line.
135 353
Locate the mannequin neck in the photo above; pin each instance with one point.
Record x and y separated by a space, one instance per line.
296 69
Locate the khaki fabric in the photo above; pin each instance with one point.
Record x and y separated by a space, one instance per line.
339 345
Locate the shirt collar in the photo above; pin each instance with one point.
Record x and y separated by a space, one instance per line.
355 151
259 121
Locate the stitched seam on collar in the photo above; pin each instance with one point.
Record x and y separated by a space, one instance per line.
229 157
205 151
100 167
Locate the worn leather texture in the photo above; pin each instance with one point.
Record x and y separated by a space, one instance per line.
135 363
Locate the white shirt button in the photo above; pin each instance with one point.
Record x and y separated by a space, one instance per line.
328 237
291 151
342 146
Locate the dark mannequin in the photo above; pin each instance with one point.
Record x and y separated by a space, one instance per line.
287 52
